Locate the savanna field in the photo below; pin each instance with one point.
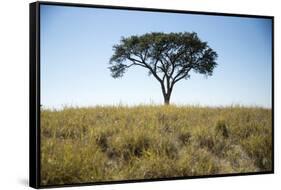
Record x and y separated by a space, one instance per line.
96 144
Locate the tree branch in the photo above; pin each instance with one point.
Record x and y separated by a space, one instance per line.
134 63
184 74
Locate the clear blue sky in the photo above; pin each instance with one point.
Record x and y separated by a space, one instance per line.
76 45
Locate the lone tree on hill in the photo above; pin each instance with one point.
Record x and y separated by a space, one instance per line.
169 58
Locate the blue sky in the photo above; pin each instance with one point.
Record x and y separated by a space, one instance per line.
76 45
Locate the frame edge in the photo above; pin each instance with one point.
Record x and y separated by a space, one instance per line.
34 149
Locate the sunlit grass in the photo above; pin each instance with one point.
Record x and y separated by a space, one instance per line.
108 143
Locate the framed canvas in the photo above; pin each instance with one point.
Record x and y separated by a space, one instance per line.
126 94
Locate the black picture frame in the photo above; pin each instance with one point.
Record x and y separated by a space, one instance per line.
34 91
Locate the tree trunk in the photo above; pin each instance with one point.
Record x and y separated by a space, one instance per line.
167 98
166 101
166 93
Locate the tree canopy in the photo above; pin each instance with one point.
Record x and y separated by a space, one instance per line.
168 57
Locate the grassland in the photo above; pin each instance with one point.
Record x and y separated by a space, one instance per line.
81 145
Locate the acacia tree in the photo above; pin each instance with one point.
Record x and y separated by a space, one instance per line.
168 57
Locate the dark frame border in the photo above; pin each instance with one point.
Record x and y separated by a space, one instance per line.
34 92
34 95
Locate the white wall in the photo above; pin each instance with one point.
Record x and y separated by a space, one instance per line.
14 93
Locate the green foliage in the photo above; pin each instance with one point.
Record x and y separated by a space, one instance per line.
81 145
184 51
168 57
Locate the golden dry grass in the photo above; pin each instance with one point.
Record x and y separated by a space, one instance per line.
109 143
